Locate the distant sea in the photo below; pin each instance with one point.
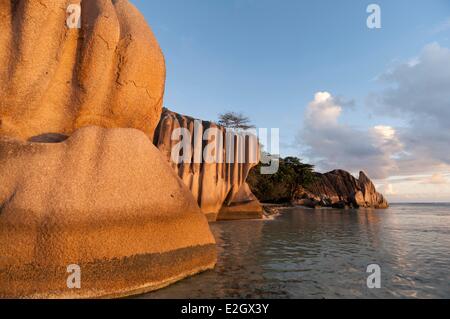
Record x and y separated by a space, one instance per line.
325 253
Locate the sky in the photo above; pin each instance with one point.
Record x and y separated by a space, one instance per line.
343 95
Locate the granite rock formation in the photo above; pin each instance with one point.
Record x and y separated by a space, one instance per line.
339 189
103 199
244 205
81 181
220 187
54 79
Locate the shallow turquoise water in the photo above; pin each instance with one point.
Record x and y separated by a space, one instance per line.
325 254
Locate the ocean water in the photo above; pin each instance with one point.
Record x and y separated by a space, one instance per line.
324 254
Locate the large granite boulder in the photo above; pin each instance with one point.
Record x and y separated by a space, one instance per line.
339 189
105 200
81 182
220 185
54 79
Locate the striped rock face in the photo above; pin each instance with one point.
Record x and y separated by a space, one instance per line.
56 78
104 200
219 185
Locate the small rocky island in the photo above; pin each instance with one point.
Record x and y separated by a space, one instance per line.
339 189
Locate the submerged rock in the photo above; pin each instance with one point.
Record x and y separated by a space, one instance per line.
218 186
54 79
339 189
105 200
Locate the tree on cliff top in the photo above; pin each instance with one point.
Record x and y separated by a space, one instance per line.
300 174
282 186
235 121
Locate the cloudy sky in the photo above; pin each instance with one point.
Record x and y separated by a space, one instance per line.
343 95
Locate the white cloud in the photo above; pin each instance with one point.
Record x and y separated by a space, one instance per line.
331 144
436 179
419 93
323 110
416 155
387 133
387 189
416 188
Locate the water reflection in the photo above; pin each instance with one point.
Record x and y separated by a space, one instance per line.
324 254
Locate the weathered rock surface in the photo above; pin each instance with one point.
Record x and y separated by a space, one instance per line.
53 79
339 189
245 205
217 186
104 199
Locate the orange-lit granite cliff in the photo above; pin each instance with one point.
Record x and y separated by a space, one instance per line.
220 187
81 181
340 189
54 79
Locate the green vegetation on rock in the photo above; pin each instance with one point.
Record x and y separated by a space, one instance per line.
282 186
